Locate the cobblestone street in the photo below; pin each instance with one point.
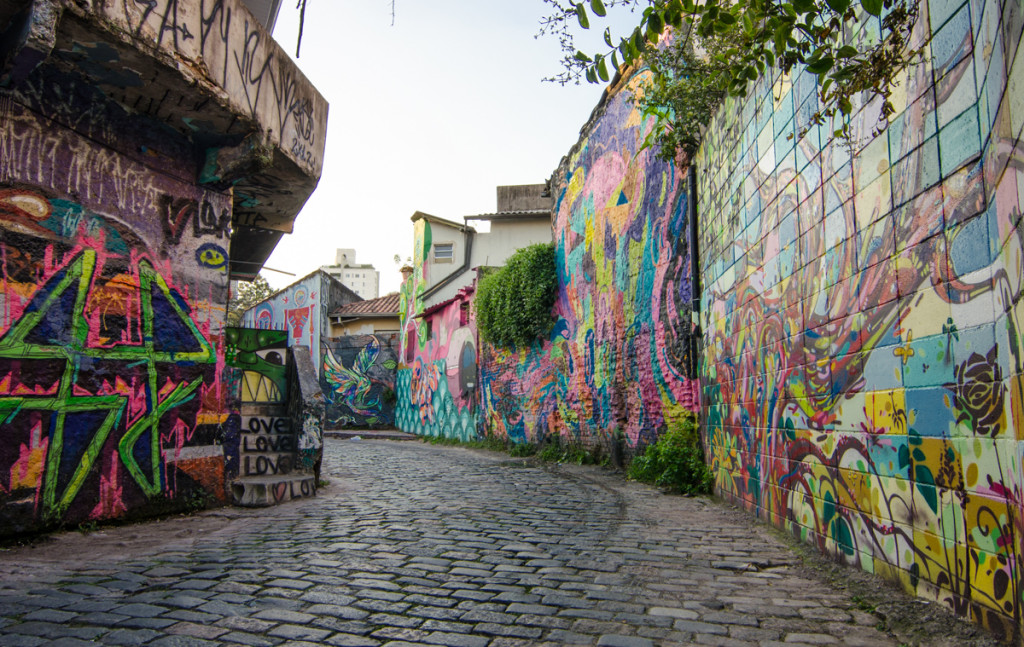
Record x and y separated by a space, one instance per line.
417 544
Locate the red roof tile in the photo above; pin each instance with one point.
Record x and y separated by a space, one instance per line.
382 306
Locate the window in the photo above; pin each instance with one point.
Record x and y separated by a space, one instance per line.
444 252
430 330
464 314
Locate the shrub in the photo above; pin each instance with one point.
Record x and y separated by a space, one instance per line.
676 461
513 304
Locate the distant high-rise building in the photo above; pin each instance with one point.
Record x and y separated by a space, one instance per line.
362 279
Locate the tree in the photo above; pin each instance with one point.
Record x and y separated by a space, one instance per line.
249 294
720 46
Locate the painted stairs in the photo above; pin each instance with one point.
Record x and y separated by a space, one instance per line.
268 459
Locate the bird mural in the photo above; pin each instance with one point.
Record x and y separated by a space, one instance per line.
351 386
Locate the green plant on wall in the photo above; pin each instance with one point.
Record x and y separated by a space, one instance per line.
720 48
513 304
676 461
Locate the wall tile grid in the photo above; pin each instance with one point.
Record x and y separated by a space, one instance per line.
862 368
618 359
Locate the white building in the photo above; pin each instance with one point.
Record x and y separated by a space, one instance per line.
362 279
456 250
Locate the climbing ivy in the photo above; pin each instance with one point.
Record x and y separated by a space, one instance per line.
513 303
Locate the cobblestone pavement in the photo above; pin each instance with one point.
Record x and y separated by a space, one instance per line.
414 544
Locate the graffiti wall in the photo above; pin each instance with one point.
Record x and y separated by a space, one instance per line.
112 293
618 358
261 356
436 389
863 369
358 379
300 310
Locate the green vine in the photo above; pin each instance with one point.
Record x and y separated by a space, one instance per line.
857 49
513 303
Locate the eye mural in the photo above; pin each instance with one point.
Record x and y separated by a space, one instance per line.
261 356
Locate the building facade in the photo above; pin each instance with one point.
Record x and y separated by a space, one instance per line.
361 278
140 169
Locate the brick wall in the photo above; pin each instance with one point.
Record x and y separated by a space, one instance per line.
617 361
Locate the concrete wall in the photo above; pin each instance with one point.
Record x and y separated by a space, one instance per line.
368 326
358 379
862 377
618 357
135 153
113 288
505 237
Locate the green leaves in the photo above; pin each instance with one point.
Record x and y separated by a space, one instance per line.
513 304
581 15
722 46
873 7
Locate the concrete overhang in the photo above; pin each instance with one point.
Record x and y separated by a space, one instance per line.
208 70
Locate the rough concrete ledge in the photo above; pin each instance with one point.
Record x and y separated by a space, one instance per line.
263 491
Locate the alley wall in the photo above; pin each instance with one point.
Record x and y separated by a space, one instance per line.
862 367
617 366
109 248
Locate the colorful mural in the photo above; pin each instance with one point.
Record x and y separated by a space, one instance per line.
109 390
358 378
618 359
863 316
112 298
261 355
436 390
300 310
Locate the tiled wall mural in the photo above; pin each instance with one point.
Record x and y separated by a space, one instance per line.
862 372
618 359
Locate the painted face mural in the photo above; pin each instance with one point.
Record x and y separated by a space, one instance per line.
618 357
863 368
261 354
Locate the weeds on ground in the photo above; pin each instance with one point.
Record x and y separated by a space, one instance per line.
489 442
559 451
676 461
551 451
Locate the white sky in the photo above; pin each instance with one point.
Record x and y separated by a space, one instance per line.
431 114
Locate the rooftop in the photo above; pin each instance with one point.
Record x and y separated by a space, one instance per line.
385 305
